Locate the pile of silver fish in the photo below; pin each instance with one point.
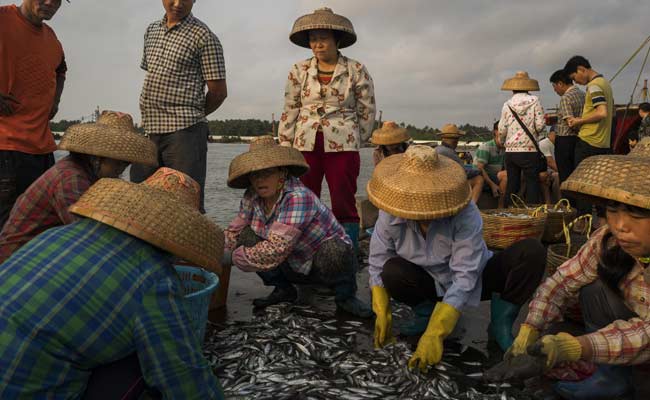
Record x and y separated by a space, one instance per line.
512 215
298 352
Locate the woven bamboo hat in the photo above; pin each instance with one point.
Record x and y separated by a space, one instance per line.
389 133
642 148
521 81
613 177
323 18
112 136
264 153
162 211
419 184
450 131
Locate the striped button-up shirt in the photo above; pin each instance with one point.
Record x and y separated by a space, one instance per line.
178 60
571 104
83 295
453 252
621 342
45 205
297 226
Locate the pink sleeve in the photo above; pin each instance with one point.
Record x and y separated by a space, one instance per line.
232 232
269 253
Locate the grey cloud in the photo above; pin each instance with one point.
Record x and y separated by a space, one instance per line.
432 61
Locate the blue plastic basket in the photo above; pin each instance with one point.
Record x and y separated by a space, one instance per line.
198 285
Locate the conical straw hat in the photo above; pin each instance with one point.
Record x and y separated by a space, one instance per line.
521 81
613 177
322 18
419 184
389 133
264 153
162 211
642 148
450 131
112 136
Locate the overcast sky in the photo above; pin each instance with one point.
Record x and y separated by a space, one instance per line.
432 62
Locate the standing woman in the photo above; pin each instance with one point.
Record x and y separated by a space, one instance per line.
329 111
522 117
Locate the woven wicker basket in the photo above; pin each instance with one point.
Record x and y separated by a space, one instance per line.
500 232
557 254
558 215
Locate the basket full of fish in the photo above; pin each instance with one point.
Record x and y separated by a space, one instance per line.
297 352
506 226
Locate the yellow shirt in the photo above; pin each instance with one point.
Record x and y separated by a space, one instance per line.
598 134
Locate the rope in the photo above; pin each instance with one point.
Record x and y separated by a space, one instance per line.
567 230
636 84
631 58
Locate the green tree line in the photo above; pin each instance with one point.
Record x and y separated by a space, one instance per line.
256 127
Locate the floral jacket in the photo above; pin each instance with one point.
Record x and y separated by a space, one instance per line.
344 109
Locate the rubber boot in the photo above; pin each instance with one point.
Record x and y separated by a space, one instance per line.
278 295
356 307
418 324
352 230
608 382
345 291
502 317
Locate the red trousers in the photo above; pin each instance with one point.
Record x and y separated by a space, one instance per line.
341 169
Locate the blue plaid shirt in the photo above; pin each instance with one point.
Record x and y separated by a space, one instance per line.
84 295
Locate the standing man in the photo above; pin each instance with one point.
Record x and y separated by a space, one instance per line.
595 124
32 73
572 101
181 56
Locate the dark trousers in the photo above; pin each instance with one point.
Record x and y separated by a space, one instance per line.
585 150
334 265
341 170
565 148
601 306
17 172
184 150
120 380
528 163
515 273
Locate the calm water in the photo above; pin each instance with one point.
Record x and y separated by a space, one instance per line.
222 202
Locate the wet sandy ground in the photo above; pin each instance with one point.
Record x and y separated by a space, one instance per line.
471 329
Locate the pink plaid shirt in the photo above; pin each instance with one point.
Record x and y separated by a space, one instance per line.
621 342
44 205
299 223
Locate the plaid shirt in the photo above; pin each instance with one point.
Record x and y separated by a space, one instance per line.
178 60
295 229
83 295
621 342
44 205
571 104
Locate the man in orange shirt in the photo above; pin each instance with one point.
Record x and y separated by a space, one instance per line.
32 73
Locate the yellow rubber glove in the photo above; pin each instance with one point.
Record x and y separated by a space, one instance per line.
429 350
384 318
558 348
527 336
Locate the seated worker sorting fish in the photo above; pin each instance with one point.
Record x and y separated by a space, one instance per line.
609 278
283 231
390 139
95 309
450 135
427 251
97 150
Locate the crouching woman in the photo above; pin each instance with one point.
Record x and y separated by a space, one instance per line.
609 278
284 233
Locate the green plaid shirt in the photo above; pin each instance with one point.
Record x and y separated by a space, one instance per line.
491 156
84 295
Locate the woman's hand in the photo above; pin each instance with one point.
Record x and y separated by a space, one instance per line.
384 318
